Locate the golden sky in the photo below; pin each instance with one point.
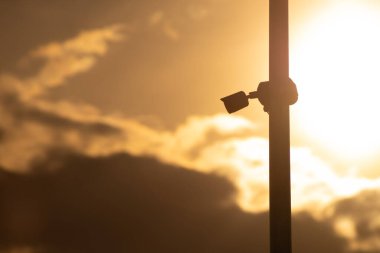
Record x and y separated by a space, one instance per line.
97 79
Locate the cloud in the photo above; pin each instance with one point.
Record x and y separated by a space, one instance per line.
357 218
33 126
164 24
30 123
129 204
243 158
156 17
68 58
171 23
122 203
221 144
213 197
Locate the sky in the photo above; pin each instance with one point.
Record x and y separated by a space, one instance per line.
113 136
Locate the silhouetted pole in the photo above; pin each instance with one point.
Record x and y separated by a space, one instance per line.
275 95
279 143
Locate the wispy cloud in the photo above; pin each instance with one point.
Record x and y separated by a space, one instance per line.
156 17
164 23
68 58
170 24
31 124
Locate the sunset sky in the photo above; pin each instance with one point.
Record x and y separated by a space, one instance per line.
113 137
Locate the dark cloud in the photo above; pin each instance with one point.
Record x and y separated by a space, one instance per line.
22 112
126 204
314 237
28 132
363 211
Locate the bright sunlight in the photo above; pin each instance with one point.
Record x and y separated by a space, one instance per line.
336 61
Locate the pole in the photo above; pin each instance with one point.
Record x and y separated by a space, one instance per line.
279 143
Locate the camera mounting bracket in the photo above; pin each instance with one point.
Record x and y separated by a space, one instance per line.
270 94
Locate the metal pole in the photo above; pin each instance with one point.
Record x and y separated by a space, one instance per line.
279 143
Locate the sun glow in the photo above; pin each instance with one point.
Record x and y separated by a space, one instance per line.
336 61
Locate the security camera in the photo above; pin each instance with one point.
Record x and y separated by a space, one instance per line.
237 101
267 93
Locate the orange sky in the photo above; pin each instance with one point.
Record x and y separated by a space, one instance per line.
144 78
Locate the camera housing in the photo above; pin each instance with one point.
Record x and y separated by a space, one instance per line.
235 102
